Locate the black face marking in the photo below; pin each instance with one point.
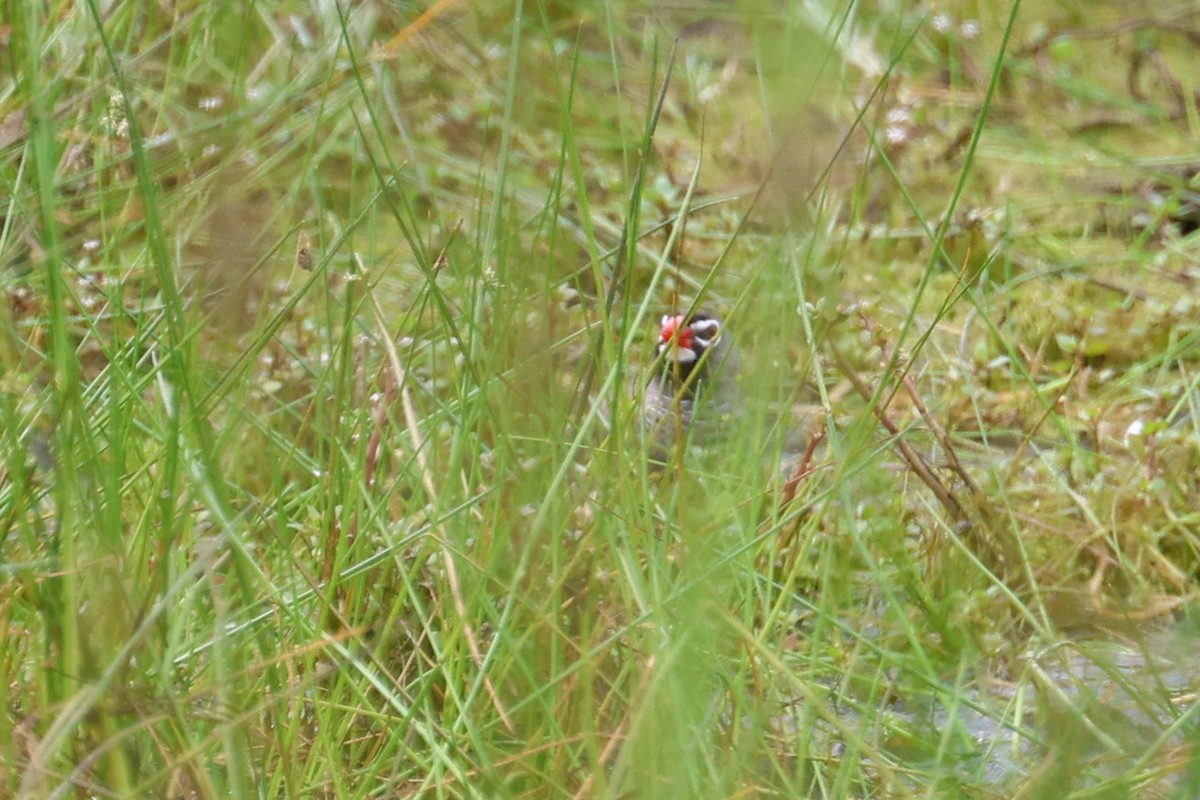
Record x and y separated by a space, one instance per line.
705 333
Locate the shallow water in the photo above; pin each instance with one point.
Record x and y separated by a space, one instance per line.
1098 717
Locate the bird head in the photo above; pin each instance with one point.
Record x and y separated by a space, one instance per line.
683 342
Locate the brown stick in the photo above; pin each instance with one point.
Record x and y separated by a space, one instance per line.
914 460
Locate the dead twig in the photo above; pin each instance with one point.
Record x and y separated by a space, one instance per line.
911 457
1000 551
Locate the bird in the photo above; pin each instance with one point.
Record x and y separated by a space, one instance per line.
692 387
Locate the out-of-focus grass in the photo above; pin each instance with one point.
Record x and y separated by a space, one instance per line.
383 526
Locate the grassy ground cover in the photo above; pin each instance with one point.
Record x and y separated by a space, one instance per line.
319 469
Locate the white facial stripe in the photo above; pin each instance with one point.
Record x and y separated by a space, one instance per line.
706 332
680 355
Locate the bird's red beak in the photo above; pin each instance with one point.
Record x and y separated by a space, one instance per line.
669 328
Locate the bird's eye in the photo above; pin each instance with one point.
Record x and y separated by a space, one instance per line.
706 332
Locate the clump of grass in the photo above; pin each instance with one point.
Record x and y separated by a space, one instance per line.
320 468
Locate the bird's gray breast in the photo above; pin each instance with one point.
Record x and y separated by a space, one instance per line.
701 409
